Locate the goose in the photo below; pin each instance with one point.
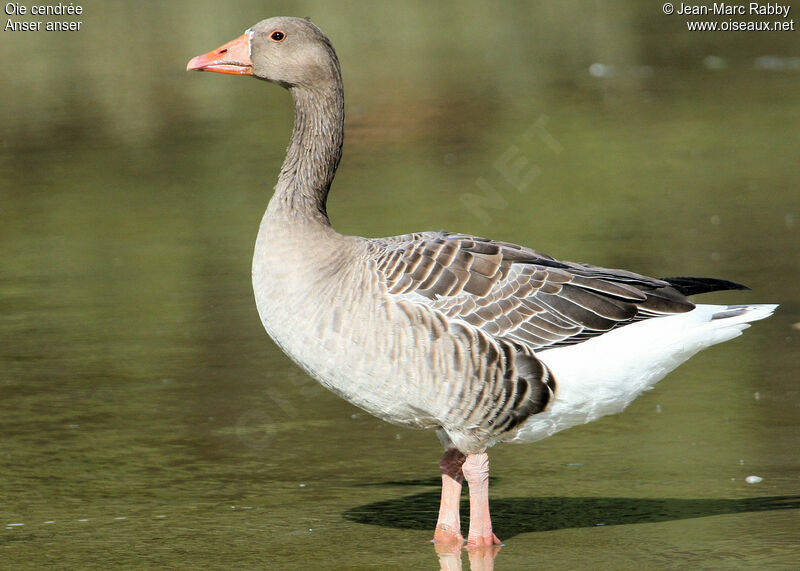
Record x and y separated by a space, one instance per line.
481 340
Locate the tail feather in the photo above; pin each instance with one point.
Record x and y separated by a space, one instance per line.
744 313
693 286
602 375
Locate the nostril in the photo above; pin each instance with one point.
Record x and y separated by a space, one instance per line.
222 51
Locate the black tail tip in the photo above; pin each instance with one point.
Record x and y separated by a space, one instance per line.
693 286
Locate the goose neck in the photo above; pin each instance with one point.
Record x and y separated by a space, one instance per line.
313 154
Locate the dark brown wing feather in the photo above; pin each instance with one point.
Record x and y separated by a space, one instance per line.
518 294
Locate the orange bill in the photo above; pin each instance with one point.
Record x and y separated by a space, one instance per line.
232 58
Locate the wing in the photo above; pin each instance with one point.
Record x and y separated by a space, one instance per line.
516 293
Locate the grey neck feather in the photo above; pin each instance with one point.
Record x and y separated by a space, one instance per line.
314 151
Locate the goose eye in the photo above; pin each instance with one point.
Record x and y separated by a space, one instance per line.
277 36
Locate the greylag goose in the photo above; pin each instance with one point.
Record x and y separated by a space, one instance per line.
481 340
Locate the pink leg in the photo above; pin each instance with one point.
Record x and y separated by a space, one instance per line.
448 527
476 472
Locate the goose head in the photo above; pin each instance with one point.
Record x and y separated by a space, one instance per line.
291 52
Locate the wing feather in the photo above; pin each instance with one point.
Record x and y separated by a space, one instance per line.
516 293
